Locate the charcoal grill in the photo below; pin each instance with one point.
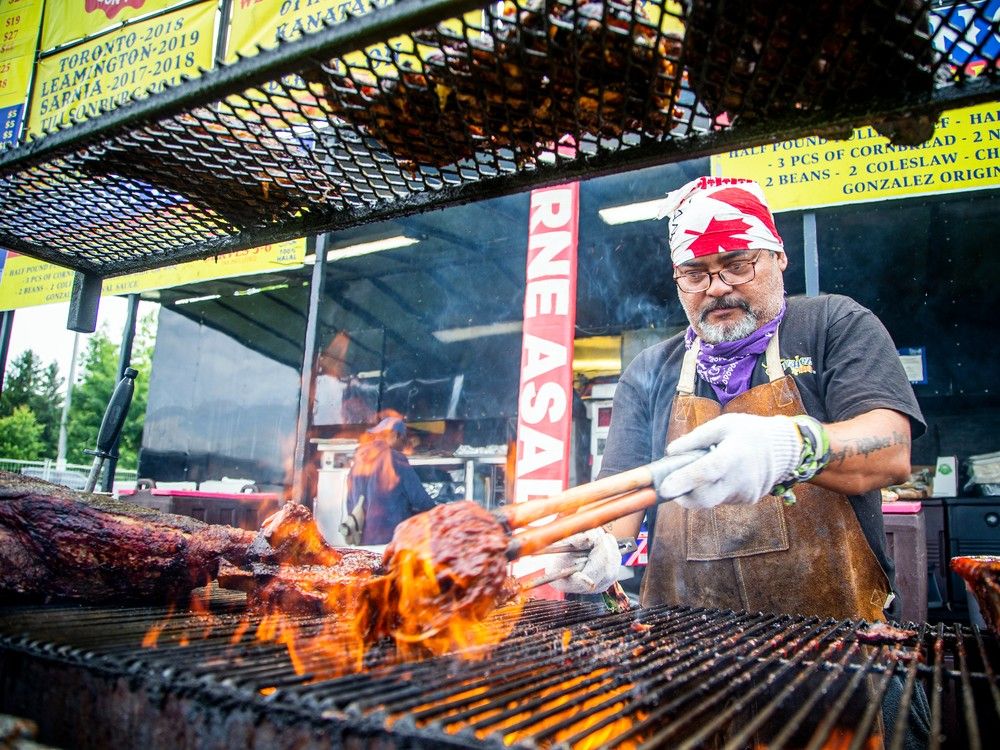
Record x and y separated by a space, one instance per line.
305 138
569 675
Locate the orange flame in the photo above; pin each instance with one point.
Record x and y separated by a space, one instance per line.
373 459
153 634
567 701
438 597
241 629
441 606
198 606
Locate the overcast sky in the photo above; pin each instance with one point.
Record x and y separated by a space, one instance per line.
43 328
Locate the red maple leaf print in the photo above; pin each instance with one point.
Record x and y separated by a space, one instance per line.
720 236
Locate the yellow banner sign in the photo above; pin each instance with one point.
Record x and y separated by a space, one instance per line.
266 22
26 282
66 20
144 56
964 154
19 22
263 24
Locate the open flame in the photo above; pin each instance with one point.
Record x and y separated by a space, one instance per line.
449 573
436 591
200 625
586 711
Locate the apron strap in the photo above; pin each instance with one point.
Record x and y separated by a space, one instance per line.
772 360
685 382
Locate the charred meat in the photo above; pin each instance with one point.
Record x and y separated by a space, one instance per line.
981 574
291 570
290 537
449 561
56 543
883 632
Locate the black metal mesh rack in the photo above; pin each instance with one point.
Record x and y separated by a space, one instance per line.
568 676
424 103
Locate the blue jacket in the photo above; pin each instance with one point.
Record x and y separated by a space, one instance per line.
390 487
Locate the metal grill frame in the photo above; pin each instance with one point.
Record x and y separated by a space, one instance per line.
117 251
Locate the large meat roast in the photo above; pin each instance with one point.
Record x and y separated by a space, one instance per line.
59 544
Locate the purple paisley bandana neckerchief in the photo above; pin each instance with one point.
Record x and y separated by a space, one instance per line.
728 365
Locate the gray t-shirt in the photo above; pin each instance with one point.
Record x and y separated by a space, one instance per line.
844 364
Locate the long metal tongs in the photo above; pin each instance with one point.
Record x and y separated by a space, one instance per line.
625 546
586 506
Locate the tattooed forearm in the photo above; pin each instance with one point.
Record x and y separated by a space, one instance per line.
866 446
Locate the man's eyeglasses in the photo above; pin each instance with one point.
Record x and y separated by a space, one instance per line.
736 273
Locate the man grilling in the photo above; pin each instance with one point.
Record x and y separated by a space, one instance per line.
806 410
800 398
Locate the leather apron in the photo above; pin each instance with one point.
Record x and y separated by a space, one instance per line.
810 558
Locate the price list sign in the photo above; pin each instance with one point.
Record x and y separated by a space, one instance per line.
963 154
140 58
19 24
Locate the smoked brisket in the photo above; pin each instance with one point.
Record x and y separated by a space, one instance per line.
59 544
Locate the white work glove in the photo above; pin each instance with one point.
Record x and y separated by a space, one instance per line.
599 550
751 454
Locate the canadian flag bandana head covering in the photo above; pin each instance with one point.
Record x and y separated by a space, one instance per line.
718 215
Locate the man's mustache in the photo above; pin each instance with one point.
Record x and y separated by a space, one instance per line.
722 303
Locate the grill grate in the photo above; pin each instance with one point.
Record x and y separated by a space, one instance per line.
316 135
569 676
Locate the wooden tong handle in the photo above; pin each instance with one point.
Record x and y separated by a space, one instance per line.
536 538
519 515
598 510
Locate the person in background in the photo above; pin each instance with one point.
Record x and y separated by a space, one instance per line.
800 399
383 484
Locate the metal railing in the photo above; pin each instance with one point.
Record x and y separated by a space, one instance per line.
73 476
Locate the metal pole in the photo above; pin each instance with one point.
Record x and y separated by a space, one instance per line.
64 419
317 288
6 325
124 361
811 253
225 14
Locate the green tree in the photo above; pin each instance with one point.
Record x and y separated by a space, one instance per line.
47 404
31 384
98 378
21 435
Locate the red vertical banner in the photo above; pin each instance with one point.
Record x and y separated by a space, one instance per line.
545 396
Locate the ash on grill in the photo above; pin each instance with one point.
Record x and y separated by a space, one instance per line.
668 676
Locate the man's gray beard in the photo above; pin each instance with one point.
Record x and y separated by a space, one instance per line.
715 333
